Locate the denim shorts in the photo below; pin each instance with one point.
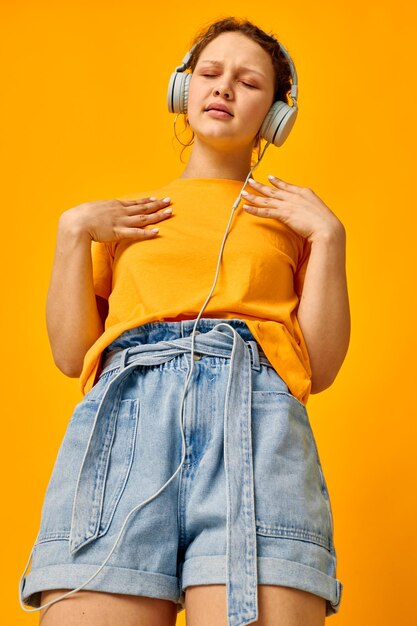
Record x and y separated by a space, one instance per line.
218 484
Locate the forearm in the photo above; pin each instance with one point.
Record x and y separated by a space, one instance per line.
72 318
323 311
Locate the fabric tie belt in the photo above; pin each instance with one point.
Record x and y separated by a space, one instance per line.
241 553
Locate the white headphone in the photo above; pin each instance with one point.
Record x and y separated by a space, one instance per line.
278 121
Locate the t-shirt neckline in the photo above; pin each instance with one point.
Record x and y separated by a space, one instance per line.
209 180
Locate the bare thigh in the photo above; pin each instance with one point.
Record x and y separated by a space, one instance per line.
96 608
205 605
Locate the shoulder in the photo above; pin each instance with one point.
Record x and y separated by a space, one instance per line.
157 192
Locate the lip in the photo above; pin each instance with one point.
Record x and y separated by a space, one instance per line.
220 115
216 106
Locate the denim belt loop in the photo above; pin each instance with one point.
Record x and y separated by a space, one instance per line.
241 546
123 358
255 355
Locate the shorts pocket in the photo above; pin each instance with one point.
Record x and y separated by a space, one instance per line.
121 459
291 498
59 498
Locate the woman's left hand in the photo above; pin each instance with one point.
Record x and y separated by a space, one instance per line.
297 207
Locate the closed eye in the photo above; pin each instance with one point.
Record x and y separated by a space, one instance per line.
243 82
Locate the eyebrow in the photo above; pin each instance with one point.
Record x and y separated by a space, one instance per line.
249 69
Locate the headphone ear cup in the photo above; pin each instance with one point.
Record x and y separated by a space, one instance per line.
278 123
177 98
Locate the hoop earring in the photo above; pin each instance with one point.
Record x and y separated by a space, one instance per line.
258 141
175 131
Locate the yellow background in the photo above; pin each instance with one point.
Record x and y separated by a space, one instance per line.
84 117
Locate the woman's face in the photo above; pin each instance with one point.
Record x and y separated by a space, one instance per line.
236 72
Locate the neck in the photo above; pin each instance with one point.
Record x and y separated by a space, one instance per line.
207 161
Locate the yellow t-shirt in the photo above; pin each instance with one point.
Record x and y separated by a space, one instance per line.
168 277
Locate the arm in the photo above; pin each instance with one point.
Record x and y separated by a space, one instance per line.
74 314
323 311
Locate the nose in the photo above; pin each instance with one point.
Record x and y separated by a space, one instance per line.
224 92
223 89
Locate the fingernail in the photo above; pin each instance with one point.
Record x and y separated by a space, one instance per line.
167 211
271 177
251 180
154 230
152 198
244 193
166 199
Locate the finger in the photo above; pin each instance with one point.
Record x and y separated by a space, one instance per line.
136 201
142 220
260 211
138 233
266 190
149 207
142 201
262 201
284 185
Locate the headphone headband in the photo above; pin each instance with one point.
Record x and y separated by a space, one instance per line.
294 79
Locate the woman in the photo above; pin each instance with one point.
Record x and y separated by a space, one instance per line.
244 532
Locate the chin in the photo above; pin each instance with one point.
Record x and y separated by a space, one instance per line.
220 136
220 141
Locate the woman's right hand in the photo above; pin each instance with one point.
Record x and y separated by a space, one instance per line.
112 220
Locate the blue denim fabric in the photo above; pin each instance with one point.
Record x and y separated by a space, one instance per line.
229 491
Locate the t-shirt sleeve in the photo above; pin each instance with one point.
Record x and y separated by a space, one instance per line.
102 260
300 272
